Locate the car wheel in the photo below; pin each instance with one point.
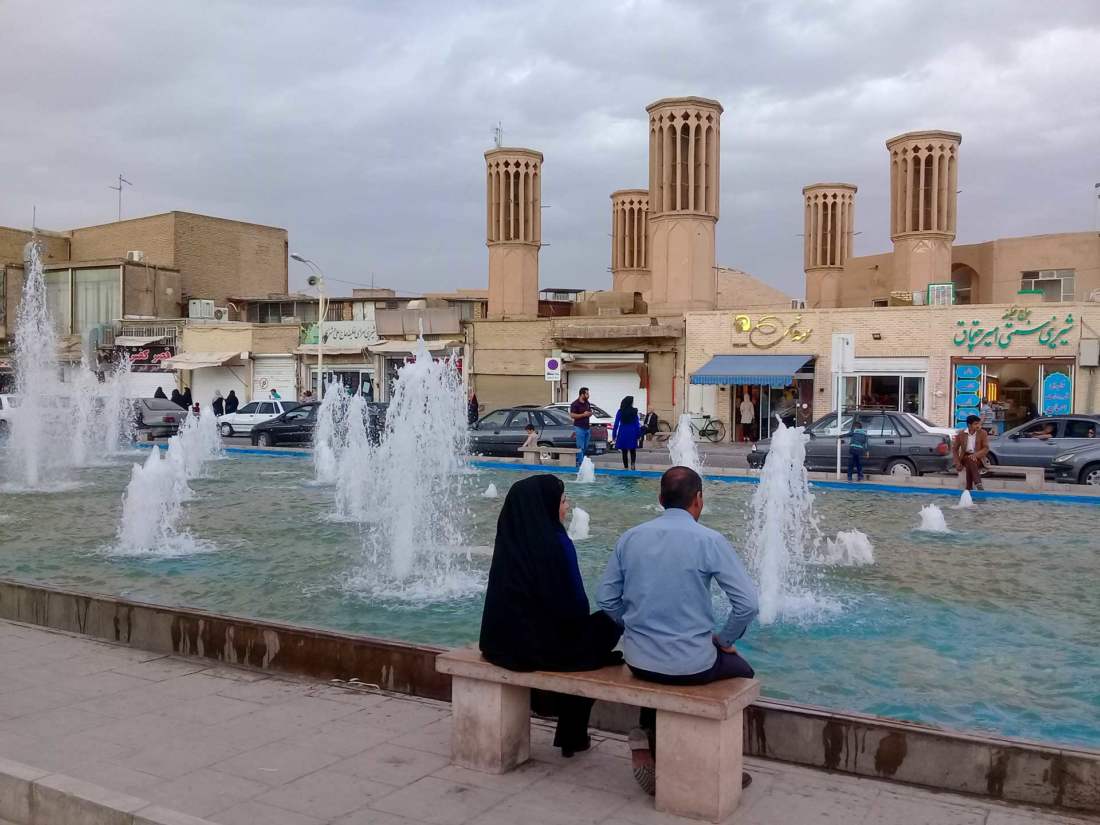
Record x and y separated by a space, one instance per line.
991 460
901 468
1091 475
263 440
227 430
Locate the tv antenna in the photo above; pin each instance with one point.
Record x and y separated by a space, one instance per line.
498 134
121 180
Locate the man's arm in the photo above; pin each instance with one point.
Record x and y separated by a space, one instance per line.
735 582
609 595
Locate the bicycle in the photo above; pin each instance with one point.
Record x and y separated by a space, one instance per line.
712 430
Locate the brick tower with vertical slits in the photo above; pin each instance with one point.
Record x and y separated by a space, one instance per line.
827 239
513 202
684 150
629 243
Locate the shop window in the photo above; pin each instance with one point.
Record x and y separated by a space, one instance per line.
97 298
880 391
912 395
1055 284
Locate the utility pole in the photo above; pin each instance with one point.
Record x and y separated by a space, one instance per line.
121 180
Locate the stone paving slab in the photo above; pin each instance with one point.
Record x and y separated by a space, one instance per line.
236 747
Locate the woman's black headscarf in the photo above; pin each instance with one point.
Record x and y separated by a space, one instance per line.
160 394
627 408
530 620
177 399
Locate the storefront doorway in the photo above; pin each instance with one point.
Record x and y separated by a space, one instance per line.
1017 390
355 380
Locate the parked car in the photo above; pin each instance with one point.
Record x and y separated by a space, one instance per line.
1078 465
158 417
7 404
896 446
502 432
599 414
245 418
296 425
1029 446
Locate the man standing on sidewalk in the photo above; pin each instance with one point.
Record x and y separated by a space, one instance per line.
971 447
581 413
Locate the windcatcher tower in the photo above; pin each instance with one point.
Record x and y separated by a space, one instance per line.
513 181
923 183
684 144
829 226
629 243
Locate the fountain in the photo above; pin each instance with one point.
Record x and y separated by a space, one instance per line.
586 472
490 491
578 525
355 468
932 520
682 449
783 529
418 466
151 507
850 548
327 435
966 501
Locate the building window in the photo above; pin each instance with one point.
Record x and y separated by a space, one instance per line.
1055 284
97 298
962 278
59 299
880 302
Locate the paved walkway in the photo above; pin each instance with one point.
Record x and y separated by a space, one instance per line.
242 748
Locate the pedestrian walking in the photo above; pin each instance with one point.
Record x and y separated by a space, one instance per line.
472 409
626 431
231 402
218 405
748 415
581 413
186 398
857 448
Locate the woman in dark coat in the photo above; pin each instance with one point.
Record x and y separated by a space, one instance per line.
472 409
187 400
177 399
627 431
218 403
536 613
231 402
160 394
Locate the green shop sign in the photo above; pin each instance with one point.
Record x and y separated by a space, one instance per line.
1050 333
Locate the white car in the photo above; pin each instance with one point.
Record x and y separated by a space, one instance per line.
7 405
924 425
599 415
252 413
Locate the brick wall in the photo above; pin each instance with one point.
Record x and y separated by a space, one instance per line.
219 258
905 331
12 242
153 235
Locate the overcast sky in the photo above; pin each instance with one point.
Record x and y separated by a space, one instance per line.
360 126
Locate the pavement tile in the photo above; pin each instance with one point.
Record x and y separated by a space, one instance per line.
140 730
597 770
550 802
513 781
109 774
276 764
327 794
439 801
202 792
888 808
402 716
369 816
265 691
175 758
127 704
38 698
339 737
104 683
159 669
784 803
49 724
391 764
360 698
257 813
211 709
306 711
435 737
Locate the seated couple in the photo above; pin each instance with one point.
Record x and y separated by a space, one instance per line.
655 594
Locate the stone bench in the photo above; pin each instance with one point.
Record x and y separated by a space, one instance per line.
699 729
1034 477
562 456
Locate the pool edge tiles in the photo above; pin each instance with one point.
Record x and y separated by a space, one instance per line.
991 766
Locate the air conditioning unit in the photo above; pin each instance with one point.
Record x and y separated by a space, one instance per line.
221 313
135 256
1094 296
199 308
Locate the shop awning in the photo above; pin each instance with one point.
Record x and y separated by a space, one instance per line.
198 360
410 346
770 370
137 340
330 349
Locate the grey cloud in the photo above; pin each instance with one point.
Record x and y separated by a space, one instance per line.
360 126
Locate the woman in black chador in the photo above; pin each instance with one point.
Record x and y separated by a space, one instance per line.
536 610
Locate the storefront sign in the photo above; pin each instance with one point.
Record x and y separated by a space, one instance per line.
968 386
344 332
148 359
1050 333
1057 394
769 330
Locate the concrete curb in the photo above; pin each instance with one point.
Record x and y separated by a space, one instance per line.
32 796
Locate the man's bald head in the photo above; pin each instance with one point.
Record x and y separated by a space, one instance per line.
679 488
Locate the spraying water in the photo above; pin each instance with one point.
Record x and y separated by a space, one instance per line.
490 491
578 525
329 434
682 450
783 530
851 548
417 475
932 520
586 473
966 501
355 464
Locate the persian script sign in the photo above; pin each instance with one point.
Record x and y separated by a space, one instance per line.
1017 321
347 332
770 330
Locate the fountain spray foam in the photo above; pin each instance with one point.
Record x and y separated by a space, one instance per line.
330 434
579 525
682 450
783 533
932 520
354 463
586 472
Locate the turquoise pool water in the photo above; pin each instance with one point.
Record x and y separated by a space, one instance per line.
991 628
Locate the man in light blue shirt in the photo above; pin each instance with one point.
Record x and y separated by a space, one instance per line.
657 586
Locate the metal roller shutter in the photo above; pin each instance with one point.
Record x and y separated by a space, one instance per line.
278 372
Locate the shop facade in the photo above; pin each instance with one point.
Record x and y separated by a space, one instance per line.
938 362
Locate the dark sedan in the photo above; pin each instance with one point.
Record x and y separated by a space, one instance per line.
1078 465
895 446
296 426
502 432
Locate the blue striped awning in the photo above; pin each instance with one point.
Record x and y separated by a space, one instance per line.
770 370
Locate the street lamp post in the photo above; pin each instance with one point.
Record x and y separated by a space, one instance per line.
317 280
